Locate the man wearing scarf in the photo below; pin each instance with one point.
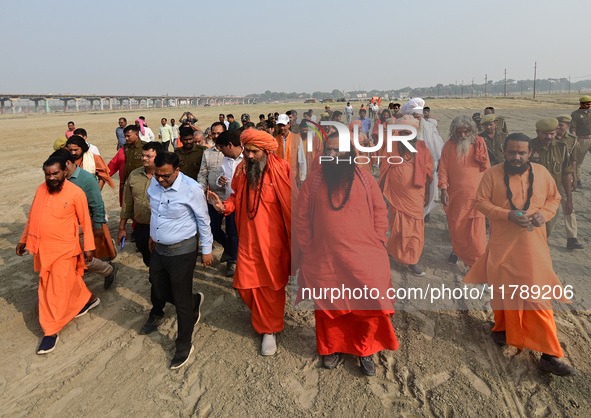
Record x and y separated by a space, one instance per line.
88 161
405 183
146 134
341 222
261 201
518 198
463 161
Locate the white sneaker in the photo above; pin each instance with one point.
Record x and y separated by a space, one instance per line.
269 345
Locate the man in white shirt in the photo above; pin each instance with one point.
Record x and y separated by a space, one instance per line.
165 133
228 142
223 120
349 112
146 133
82 132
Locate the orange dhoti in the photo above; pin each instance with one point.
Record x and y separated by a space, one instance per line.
530 328
361 333
62 293
267 306
468 238
407 237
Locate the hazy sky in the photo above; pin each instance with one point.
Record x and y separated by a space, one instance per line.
242 47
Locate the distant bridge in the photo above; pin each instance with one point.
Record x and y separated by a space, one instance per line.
113 102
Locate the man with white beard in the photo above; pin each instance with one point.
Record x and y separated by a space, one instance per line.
463 161
428 133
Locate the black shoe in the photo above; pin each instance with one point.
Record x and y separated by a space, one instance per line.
574 244
111 277
368 367
499 337
557 367
231 270
180 359
331 361
427 217
453 258
225 257
88 307
48 344
198 301
416 270
579 184
151 325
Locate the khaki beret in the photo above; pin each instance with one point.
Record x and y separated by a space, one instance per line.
585 99
488 118
60 143
547 124
564 118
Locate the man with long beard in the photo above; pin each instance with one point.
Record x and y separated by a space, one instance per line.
406 189
463 161
353 255
51 235
261 201
88 161
518 197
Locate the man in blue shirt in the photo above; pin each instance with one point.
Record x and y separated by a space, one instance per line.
178 210
365 122
120 134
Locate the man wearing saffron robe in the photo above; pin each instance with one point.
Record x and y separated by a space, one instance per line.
518 197
463 161
261 201
51 235
406 189
428 133
88 161
341 215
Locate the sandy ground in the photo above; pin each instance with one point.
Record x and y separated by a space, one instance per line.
447 364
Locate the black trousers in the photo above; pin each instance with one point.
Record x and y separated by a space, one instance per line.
172 281
228 239
142 241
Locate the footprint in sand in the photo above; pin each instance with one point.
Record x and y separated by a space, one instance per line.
478 384
305 394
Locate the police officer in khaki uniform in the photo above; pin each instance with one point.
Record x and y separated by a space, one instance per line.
553 155
493 137
563 136
499 121
581 127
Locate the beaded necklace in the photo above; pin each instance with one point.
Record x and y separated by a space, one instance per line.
346 198
530 190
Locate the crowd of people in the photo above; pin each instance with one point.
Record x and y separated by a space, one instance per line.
239 184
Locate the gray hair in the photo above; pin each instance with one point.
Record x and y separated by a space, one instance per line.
462 121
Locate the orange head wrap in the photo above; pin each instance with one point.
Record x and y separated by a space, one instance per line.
259 139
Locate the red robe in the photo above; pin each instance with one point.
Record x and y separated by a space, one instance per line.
345 248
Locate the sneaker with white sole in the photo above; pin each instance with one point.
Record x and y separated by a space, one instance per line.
48 344
88 307
269 345
416 270
180 359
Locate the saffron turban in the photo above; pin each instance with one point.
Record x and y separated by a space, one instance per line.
259 139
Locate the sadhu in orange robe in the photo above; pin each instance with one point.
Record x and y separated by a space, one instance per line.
403 186
345 248
51 234
461 177
516 256
264 249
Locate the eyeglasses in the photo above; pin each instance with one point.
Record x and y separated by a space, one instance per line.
163 176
